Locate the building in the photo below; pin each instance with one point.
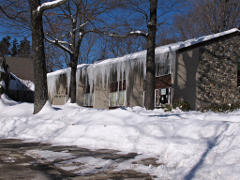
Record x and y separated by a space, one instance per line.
201 71
19 78
22 67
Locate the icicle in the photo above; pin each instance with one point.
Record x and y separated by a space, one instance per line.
68 74
102 71
52 79
172 62
122 74
118 76
91 78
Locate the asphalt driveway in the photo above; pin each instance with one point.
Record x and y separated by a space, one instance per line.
28 160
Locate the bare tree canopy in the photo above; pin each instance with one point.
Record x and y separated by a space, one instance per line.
15 16
207 17
70 24
148 16
74 21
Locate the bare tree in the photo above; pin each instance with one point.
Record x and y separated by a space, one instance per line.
54 58
146 11
78 18
87 48
150 69
207 17
120 46
40 73
15 16
166 36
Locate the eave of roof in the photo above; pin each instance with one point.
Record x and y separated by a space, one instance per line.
159 50
170 47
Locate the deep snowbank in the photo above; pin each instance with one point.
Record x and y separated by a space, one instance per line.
192 144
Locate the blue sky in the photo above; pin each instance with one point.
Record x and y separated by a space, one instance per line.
130 16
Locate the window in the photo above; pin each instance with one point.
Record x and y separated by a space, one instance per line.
117 98
162 96
88 96
117 94
162 69
163 64
238 75
88 99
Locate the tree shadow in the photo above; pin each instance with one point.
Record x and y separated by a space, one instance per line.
166 115
211 143
56 108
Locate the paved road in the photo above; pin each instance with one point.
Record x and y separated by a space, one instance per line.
25 161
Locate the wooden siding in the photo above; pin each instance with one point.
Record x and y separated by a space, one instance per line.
163 82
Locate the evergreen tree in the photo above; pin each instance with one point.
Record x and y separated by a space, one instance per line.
4 45
14 49
24 48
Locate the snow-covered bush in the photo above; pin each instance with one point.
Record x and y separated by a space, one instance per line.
168 107
222 107
181 104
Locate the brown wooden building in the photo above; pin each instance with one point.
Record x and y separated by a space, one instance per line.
21 67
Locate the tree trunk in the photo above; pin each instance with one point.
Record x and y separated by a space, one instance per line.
150 63
40 75
73 64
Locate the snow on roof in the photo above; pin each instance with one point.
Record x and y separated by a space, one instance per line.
2 70
65 70
169 47
16 83
190 42
60 71
159 50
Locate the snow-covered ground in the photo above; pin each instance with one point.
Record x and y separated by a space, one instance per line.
192 145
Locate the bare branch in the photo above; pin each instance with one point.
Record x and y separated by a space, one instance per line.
116 35
7 15
138 33
50 5
59 44
81 26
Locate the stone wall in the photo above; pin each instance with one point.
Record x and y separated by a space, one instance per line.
217 72
206 73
